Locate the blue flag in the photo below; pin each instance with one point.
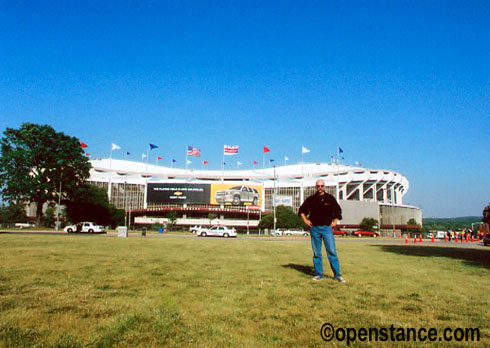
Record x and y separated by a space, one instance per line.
340 150
153 146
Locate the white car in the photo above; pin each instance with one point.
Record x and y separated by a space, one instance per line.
217 231
24 225
197 229
295 232
89 227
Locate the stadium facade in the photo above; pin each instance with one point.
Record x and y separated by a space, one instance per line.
239 198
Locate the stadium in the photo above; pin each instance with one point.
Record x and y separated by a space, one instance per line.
239 198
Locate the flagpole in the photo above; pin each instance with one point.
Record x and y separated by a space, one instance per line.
223 164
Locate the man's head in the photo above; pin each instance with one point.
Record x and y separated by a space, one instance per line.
320 186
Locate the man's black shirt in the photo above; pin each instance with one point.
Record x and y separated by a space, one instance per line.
322 209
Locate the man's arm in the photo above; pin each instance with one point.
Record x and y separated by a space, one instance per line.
305 219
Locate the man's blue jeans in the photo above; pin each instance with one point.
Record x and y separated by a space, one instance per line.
317 234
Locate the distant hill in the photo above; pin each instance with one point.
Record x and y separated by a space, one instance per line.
452 223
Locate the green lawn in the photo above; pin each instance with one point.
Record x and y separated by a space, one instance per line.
100 291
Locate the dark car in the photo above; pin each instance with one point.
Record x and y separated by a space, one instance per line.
486 239
360 233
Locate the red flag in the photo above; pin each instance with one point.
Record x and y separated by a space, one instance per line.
266 150
83 145
204 162
87 154
255 162
159 158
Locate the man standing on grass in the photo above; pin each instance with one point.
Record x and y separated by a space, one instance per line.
321 212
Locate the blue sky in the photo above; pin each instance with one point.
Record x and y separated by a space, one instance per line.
398 85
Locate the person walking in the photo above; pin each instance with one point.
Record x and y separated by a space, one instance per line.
321 212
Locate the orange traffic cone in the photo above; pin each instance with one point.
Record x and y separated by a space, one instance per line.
400 235
414 240
432 238
467 239
478 238
445 238
409 236
420 238
406 240
472 239
455 239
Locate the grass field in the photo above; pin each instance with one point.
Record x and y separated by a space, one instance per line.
99 291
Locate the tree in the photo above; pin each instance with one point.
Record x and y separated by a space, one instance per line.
286 218
486 214
49 217
35 160
90 203
413 222
172 220
13 213
367 224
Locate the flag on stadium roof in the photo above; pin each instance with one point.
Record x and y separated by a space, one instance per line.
255 162
159 158
83 145
115 147
192 151
304 150
230 150
340 150
266 150
153 146
205 162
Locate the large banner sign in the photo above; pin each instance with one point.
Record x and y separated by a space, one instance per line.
225 194
178 193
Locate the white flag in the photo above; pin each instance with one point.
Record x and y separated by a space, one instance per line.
239 163
286 159
304 150
189 162
143 155
115 147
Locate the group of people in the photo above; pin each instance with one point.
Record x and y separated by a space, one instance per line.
458 235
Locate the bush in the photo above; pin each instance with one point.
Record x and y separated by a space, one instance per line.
367 224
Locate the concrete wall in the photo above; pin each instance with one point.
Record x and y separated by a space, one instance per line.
354 211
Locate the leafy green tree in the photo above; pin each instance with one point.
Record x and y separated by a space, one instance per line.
49 217
413 222
286 218
367 224
172 220
267 221
35 160
90 203
486 214
13 213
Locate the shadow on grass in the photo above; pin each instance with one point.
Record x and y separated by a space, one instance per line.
474 257
308 270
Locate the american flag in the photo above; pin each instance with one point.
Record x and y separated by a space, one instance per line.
192 151
231 150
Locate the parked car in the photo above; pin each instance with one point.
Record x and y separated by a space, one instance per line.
486 239
295 232
278 232
340 233
217 231
89 227
360 233
24 225
197 228
238 195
